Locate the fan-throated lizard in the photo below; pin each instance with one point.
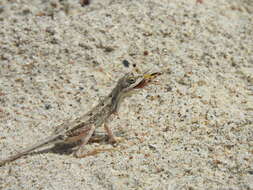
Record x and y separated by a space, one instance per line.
82 128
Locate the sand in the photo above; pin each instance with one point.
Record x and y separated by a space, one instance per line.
190 130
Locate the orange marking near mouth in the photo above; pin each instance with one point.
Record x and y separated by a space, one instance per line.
141 84
147 79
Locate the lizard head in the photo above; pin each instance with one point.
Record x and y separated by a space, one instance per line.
130 81
127 84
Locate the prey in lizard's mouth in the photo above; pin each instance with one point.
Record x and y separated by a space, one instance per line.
147 78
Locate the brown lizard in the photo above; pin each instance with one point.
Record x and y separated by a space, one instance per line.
81 129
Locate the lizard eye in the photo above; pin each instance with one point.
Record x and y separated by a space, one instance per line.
131 80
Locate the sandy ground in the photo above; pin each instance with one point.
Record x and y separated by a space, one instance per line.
191 130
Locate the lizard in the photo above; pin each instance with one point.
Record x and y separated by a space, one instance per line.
81 129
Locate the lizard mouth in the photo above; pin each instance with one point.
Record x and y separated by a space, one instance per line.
142 84
147 78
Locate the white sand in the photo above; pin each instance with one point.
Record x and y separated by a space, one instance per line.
193 130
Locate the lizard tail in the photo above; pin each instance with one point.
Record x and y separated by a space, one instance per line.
25 151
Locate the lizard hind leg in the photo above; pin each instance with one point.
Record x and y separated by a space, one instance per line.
82 152
87 135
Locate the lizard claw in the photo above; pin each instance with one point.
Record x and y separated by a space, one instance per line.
116 140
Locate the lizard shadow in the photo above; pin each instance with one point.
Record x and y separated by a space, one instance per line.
62 149
68 149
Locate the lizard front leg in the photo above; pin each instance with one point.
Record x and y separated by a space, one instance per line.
112 138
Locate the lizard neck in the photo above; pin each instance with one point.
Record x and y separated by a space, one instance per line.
116 98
